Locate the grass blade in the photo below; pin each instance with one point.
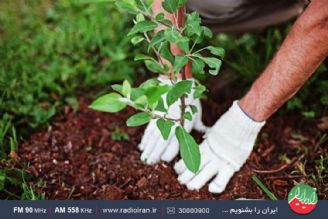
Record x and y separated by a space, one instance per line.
264 188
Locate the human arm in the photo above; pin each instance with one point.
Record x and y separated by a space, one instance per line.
305 47
230 141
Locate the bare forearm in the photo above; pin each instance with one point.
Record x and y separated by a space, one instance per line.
305 47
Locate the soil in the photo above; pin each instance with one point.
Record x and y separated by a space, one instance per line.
77 159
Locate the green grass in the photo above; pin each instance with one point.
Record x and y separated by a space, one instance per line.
47 51
119 135
50 52
264 188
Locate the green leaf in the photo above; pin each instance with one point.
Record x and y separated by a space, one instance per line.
183 44
189 149
214 63
164 127
136 93
188 116
141 101
142 26
216 51
126 88
108 103
142 5
138 119
199 90
155 67
161 18
150 83
192 26
160 106
167 22
166 52
207 32
155 93
172 6
193 109
118 88
158 38
197 66
179 63
140 17
141 57
177 90
216 69
136 40
309 114
173 36
127 5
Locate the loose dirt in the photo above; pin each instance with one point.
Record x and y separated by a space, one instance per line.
77 159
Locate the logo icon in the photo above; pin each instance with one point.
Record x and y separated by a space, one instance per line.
302 199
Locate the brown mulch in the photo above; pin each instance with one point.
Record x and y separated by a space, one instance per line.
77 159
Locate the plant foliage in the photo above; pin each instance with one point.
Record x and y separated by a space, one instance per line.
152 98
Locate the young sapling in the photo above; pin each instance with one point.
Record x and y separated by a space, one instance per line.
152 98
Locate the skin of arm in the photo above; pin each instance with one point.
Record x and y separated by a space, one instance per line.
305 47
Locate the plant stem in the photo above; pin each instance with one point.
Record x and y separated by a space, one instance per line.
192 48
183 101
151 114
180 24
154 49
199 50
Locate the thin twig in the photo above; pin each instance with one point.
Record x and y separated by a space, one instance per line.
192 48
154 49
151 114
294 160
184 71
71 193
284 177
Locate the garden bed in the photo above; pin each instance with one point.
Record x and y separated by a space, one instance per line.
77 158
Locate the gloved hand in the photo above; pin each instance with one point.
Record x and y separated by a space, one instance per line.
224 150
154 147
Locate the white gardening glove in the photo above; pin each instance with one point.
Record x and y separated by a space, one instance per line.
154 147
224 150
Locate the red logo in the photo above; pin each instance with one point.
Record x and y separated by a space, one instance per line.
302 199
